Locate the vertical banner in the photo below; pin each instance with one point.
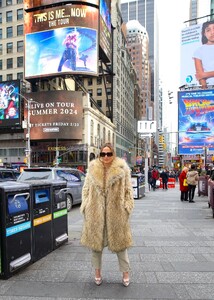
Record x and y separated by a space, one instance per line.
197 55
195 121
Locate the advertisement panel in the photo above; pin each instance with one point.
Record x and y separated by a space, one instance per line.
10 103
105 28
61 40
197 55
195 121
55 114
29 4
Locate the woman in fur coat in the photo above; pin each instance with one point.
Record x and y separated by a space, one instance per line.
107 202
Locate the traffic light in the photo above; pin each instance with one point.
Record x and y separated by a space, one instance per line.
161 139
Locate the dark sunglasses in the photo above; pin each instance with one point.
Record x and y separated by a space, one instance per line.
103 154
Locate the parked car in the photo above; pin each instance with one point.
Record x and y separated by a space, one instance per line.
74 179
8 174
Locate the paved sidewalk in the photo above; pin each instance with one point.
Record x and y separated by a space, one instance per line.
172 258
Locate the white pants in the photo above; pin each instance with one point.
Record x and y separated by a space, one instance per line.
122 256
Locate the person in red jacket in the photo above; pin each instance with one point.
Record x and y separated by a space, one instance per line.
183 188
155 176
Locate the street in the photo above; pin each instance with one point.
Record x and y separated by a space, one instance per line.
172 257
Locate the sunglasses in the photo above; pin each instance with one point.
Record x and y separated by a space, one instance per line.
103 154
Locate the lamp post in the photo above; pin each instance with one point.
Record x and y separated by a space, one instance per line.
27 125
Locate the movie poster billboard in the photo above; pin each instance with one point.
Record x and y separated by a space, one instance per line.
55 115
61 41
197 55
10 103
105 28
195 121
29 4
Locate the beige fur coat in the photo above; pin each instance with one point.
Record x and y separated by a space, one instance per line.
110 207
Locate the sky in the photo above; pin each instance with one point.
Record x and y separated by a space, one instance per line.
172 14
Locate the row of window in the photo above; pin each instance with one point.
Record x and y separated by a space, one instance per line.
9 47
9 77
9 32
19 63
10 2
9 15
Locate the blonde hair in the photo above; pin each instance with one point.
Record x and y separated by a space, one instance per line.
185 169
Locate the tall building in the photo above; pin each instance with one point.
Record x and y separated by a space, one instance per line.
199 9
145 12
137 44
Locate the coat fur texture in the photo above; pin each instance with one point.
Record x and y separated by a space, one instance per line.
111 207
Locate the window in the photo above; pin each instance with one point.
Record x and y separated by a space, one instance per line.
108 91
99 103
20 61
20 75
0 3
9 32
19 14
9 77
0 34
99 80
90 81
1 49
9 47
9 2
9 16
99 92
0 64
1 78
9 63
0 18
90 92
19 1
20 46
20 30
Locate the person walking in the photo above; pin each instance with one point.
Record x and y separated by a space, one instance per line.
107 202
192 180
165 176
183 184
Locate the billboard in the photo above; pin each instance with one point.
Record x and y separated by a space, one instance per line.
55 114
29 4
195 121
10 103
61 40
197 55
105 29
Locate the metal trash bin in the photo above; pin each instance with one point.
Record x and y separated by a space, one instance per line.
60 213
42 232
138 183
203 186
16 229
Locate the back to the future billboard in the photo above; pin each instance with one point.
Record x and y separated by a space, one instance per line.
195 121
62 39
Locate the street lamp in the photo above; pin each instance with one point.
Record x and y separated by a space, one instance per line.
27 125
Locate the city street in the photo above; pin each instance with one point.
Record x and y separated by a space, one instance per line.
172 257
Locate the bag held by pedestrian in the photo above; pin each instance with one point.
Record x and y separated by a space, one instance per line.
185 182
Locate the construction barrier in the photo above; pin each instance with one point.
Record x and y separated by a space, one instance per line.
170 184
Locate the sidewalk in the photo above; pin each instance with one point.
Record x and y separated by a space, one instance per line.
172 258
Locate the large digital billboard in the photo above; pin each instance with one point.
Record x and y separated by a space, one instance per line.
10 103
105 28
195 121
55 115
61 40
197 55
29 4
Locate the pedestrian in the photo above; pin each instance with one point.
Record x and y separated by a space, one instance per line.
107 202
155 177
165 176
183 184
150 178
192 180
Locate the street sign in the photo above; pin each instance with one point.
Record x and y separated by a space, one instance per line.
146 127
